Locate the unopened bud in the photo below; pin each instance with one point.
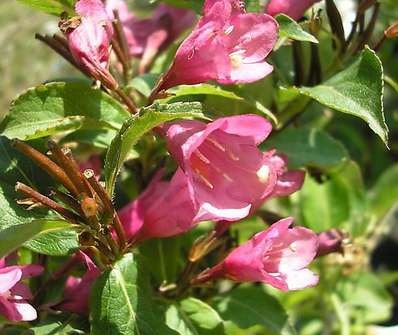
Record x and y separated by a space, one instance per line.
330 241
392 31
89 207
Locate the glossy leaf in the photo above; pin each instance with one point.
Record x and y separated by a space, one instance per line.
357 90
15 236
121 302
194 317
288 28
137 126
248 306
57 107
308 147
58 243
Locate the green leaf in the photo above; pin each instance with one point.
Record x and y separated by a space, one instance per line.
247 306
339 202
59 243
121 302
357 90
55 326
57 107
13 237
288 28
365 296
194 317
309 147
202 89
145 83
55 7
384 194
137 126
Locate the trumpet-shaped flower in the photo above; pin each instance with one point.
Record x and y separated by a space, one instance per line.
293 8
14 295
89 42
229 177
228 45
278 256
77 290
163 209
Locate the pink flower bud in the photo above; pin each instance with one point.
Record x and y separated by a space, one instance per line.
77 290
278 256
293 8
330 241
227 45
89 42
229 177
14 294
163 209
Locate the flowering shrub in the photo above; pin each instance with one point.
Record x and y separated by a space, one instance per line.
202 174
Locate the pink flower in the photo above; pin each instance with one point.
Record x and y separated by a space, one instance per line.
14 294
293 8
77 290
229 177
89 42
227 45
278 256
163 209
147 36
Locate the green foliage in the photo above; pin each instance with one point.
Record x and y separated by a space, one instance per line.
54 108
306 147
357 90
15 236
248 306
194 317
55 7
135 127
288 28
121 302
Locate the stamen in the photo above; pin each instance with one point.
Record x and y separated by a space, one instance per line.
229 30
293 246
202 157
204 179
236 58
216 144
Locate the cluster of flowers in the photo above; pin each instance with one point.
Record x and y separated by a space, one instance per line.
222 175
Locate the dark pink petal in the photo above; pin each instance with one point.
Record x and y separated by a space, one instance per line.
330 241
21 291
31 270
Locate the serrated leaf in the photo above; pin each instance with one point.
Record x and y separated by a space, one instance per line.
121 302
15 236
137 126
55 7
57 107
357 90
248 306
194 317
309 147
59 243
288 28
